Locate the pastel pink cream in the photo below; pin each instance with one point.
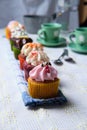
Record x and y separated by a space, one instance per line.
43 73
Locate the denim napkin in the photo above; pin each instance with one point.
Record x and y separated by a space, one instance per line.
33 102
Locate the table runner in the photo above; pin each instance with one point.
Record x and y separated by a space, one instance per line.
73 83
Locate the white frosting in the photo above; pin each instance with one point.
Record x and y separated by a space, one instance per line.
37 57
18 32
27 48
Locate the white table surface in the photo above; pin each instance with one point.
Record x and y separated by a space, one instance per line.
73 83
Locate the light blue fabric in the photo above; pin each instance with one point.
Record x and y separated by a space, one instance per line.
32 102
60 99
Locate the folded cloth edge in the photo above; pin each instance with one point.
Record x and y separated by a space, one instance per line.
32 102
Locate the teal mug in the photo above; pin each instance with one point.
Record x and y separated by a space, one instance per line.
50 32
79 37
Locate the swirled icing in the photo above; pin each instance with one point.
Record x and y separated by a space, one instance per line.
13 24
43 73
27 48
37 57
17 30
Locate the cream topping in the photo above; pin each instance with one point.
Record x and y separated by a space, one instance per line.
37 57
27 48
13 24
18 32
43 73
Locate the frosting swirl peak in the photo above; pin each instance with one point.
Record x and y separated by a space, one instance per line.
27 48
37 57
43 73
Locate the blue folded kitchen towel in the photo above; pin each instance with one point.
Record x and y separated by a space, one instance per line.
33 102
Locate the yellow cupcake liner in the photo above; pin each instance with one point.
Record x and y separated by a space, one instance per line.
43 89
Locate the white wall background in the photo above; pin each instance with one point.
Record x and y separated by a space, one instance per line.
15 9
11 9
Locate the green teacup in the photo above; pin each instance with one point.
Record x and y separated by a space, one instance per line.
79 37
49 32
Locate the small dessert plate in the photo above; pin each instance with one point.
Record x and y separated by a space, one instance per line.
59 43
78 50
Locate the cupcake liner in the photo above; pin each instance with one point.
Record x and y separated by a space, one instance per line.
16 52
21 60
27 67
7 33
43 89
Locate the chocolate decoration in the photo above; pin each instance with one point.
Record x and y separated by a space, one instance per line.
44 64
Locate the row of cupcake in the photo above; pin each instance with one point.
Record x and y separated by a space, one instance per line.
17 36
41 76
31 55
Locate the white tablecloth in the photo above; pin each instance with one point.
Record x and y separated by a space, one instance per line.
73 83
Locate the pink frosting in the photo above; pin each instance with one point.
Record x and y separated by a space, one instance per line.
42 73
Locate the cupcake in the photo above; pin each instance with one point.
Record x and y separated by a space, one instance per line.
18 39
17 36
26 49
43 81
11 25
33 59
